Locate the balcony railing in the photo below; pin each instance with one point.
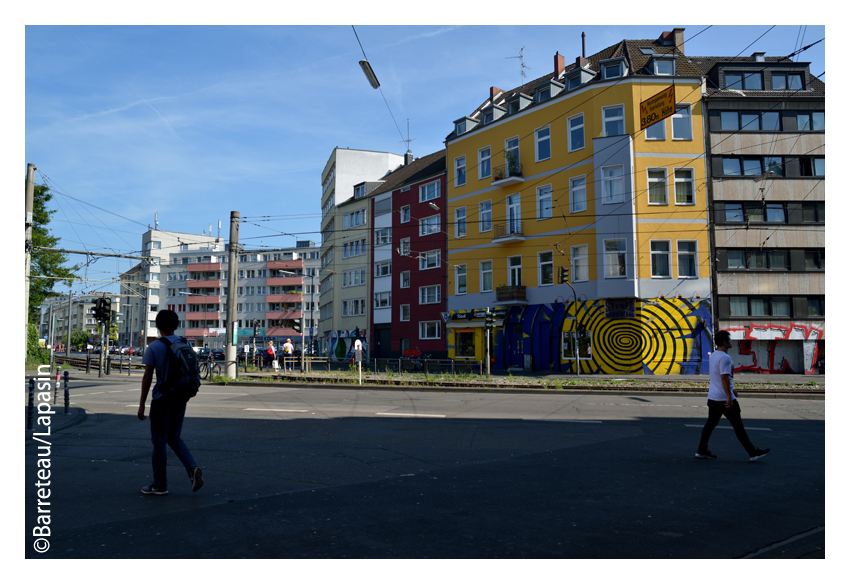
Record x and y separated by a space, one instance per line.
508 229
211 283
203 299
202 315
510 293
508 174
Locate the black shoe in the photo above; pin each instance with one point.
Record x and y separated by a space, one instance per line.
197 478
706 454
151 490
759 454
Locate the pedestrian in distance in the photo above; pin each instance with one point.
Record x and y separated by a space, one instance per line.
167 407
269 356
288 351
723 400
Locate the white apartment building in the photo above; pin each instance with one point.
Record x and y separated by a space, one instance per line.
81 310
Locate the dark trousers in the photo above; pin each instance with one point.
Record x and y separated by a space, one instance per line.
166 424
718 409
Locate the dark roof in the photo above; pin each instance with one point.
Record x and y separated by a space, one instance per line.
708 65
417 170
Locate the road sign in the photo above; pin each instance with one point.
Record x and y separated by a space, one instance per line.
658 107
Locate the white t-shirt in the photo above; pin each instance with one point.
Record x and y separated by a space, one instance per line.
719 363
288 348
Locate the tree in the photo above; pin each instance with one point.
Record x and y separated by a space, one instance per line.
35 353
79 338
44 263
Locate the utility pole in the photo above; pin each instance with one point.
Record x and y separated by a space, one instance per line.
49 342
68 337
102 335
28 222
487 340
230 331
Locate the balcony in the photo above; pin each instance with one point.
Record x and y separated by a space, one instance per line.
285 265
216 267
284 315
510 295
282 332
202 316
510 174
285 281
204 283
203 299
508 232
284 298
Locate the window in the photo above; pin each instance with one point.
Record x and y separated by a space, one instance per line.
484 170
580 268
460 171
819 165
731 166
383 269
405 279
405 214
787 81
544 202
465 345
660 257
815 305
514 215
814 212
578 194
664 66
515 271
487 117
542 94
576 128
683 179
749 121
657 131
810 121
612 185
383 236
485 216
611 70
460 222
657 179
460 279
614 121
404 247
460 127
574 82
546 276
359 191
429 225
775 212
682 123
429 294
405 313
615 258
382 300
429 192
543 145
744 80
429 260
354 219
486 275
512 156
429 329
687 254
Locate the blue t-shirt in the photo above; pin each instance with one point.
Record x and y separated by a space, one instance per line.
157 355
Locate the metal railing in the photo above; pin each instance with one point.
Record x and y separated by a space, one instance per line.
507 229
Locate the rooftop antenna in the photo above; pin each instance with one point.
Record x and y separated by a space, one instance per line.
156 220
409 139
218 233
522 66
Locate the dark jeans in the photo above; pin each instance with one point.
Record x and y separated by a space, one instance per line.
268 361
166 424
716 410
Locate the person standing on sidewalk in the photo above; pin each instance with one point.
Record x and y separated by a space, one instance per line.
722 400
167 411
288 351
270 356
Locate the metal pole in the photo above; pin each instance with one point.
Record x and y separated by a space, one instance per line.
31 403
50 336
68 338
28 223
102 335
88 361
67 394
230 346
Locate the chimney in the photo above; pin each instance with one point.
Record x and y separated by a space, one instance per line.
583 54
679 40
560 64
758 57
582 62
494 91
408 158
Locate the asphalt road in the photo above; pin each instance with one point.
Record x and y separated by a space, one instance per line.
332 473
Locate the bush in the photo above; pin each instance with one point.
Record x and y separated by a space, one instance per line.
36 354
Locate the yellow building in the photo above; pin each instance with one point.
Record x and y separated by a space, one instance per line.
557 175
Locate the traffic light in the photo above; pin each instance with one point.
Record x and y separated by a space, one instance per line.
564 276
106 308
296 324
98 309
488 320
356 333
256 328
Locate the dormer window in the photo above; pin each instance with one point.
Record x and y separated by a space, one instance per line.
547 90
460 127
786 81
517 102
487 117
464 125
612 69
360 191
574 82
744 80
542 94
662 66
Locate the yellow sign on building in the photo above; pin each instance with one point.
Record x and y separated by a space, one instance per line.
658 107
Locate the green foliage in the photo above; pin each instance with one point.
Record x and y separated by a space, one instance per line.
79 339
44 263
36 354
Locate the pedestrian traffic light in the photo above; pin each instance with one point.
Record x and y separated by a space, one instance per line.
564 275
356 333
296 324
256 328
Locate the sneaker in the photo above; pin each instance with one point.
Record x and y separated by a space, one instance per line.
197 478
151 490
706 454
759 454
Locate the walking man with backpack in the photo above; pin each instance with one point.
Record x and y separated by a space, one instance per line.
177 380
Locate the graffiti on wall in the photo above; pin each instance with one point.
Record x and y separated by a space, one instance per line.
772 348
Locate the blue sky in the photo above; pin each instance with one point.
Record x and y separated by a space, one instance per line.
193 122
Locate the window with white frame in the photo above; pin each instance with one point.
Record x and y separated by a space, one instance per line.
429 294
359 191
429 260
615 258
405 214
486 267
542 144
576 127
355 307
383 236
383 268
404 247
657 179
354 278
612 185
460 171
663 66
429 192
611 70
485 216
354 219
515 271
546 268
484 169
657 131
580 271
578 194
614 120
512 155
405 280
382 300
660 257
429 329
429 225
404 313
460 279
682 122
544 202
683 179
686 252
460 222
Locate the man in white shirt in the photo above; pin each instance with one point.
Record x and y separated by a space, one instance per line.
722 400
288 351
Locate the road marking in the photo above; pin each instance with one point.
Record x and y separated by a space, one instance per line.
219 393
553 420
270 410
726 427
783 542
94 393
411 415
119 391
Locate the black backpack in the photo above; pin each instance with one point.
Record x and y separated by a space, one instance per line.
184 377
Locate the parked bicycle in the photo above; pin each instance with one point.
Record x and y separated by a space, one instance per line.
208 365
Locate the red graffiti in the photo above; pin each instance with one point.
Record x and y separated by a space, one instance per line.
771 333
778 332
